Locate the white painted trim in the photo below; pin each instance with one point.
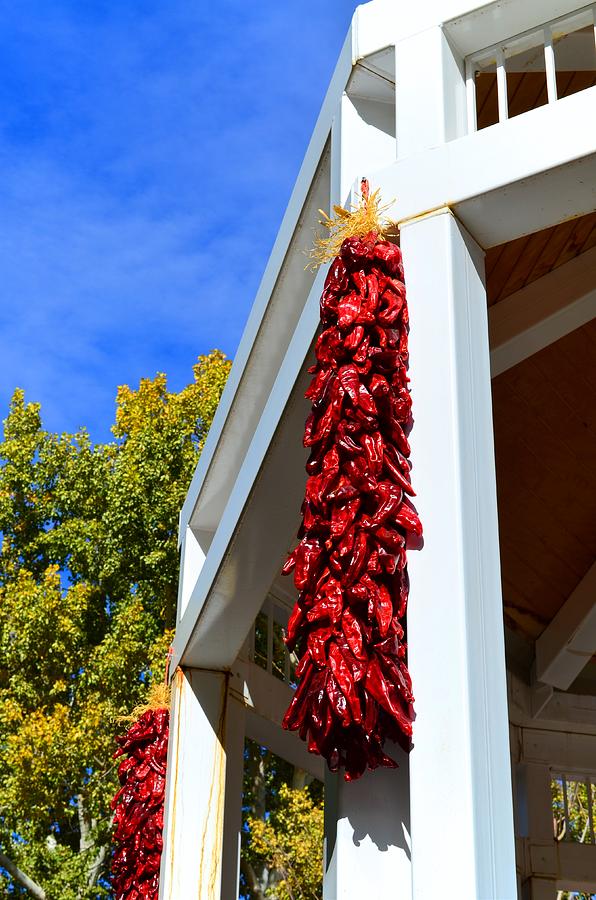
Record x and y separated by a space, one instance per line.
568 643
502 86
486 24
471 97
542 164
219 633
550 65
542 312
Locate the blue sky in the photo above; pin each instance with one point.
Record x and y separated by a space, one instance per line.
147 153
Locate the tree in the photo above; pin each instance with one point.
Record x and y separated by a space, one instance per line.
282 853
88 586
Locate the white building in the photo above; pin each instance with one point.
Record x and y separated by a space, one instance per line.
478 123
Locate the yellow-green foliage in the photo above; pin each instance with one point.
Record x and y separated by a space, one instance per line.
290 841
88 585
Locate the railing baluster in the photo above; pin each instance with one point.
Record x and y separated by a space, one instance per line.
549 62
502 86
471 96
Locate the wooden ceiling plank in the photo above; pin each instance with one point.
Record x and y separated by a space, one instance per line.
569 641
538 518
511 256
581 355
564 80
548 569
520 273
584 227
548 258
546 438
526 93
590 241
555 417
491 259
536 469
576 391
542 312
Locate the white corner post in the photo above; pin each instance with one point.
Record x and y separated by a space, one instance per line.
460 771
206 725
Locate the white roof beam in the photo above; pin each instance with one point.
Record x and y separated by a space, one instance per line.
537 170
241 564
568 643
542 312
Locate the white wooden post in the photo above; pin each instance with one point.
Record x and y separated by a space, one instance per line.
460 772
429 76
232 830
367 835
193 831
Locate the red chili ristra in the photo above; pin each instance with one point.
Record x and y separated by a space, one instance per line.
354 689
138 807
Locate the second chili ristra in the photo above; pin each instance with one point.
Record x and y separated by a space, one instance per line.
354 689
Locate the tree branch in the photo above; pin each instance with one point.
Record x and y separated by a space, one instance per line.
13 870
252 880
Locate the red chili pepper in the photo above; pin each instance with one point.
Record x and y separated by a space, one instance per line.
350 381
138 807
390 497
353 633
354 690
348 309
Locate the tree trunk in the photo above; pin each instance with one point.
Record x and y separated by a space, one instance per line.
257 893
34 889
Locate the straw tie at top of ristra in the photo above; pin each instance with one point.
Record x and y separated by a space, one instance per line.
358 520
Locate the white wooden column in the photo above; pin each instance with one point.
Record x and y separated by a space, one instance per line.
460 771
232 832
367 839
429 76
193 830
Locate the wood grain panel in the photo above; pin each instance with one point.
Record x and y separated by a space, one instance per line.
525 91
545 445
511 266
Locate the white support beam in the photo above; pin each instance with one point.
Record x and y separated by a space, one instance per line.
542 164
191 864
568 643
460 772
232 825
542 312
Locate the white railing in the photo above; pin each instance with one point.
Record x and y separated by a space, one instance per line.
542 38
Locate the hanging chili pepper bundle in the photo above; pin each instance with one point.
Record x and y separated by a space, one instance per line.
347 627
139 804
